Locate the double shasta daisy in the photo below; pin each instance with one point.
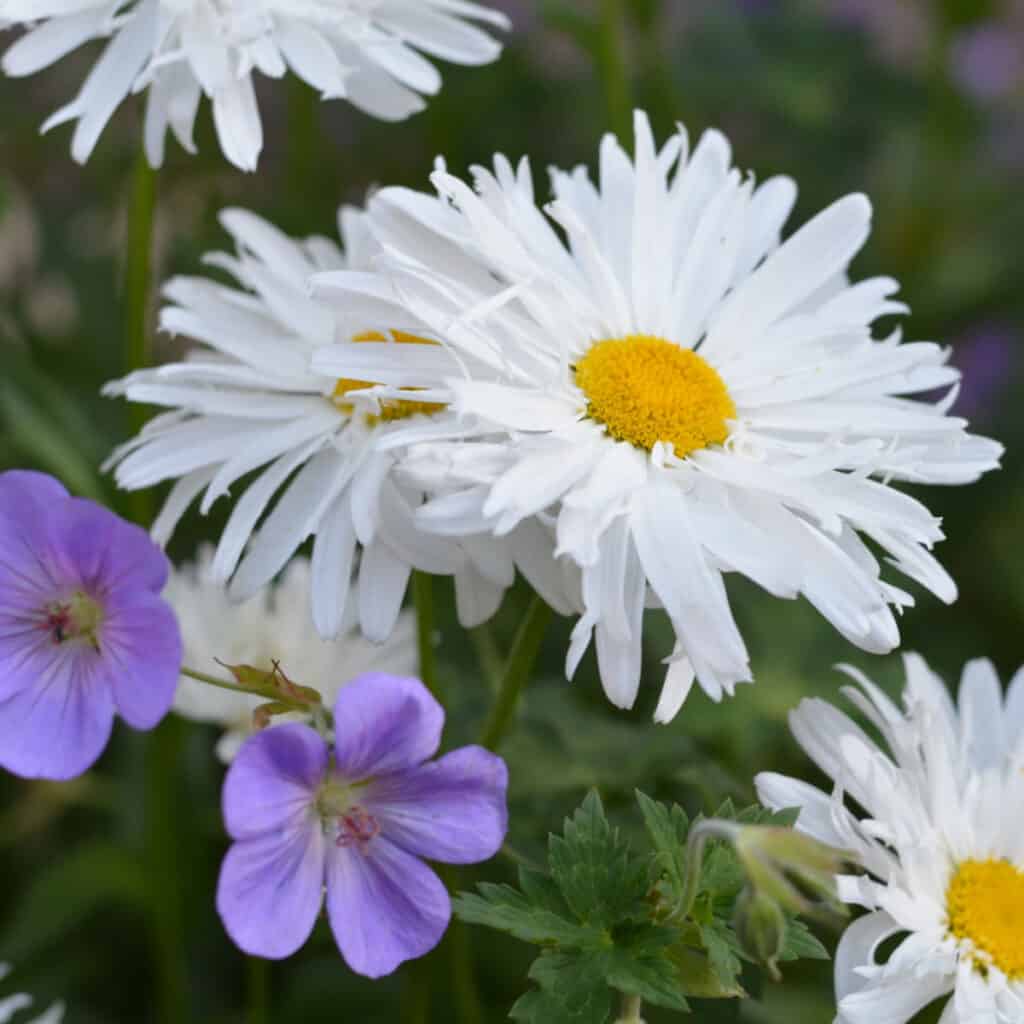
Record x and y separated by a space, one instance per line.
370 52
936 822
305 452
645 366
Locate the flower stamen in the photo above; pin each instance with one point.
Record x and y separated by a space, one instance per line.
985 903
391 409
645 389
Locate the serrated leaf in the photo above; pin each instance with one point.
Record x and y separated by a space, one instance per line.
801 944
653 977
722 948
506 910
601 880
542 891
668 829
573 989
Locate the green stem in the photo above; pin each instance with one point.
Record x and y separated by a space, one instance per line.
255 691
423 599
138 260
137 270
712 828
631 1009
521 659
487 653
163 755
611 58
259 991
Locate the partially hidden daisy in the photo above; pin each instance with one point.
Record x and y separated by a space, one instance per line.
247 400
683 394
273 628
351 823
10 1005
369 52
84 633
935 819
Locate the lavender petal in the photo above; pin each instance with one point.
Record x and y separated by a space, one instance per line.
272 782
384 724
106 553
270 890
58 727
452 810
141 644
385 906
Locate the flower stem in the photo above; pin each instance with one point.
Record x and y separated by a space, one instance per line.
518 667
137 269
712 828
163 754
423 598
255 691
630 1012
611 57
138 259
258 991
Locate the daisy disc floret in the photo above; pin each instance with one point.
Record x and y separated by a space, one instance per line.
647 364
937 826
84 632
351 823
274 627
325 445
179 51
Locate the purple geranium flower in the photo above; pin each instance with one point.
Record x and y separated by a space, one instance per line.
355 819
83 631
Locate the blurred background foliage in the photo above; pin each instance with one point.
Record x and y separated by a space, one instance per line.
108 881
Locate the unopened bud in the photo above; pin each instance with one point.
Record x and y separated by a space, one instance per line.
793 870
760 925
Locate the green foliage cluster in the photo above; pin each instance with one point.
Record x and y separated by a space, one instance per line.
612 917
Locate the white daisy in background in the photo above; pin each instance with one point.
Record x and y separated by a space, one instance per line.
938 828
11 1005
370 52
274 627
681 393
247 400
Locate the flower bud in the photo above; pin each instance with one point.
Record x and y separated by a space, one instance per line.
793 870
760 926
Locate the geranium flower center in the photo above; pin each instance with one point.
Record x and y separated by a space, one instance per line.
391 409
77 617
985 902
646 389
344 819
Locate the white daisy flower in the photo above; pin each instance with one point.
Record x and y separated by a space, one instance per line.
275 627
11 1005
938 828
247 400
370 52
683 394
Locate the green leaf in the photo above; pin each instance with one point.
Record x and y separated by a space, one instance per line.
653 977
800 944
573 990
593 867
503 908
668 829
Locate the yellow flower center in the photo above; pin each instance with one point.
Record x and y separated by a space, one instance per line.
985 902
646 389
390 408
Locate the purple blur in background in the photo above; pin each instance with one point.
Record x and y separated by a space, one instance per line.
986 355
